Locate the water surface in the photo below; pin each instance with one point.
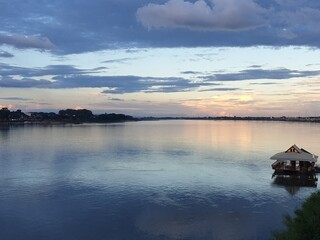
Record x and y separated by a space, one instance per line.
147 180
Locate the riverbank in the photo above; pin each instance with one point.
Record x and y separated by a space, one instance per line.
68 116
277 119
132 119
72 116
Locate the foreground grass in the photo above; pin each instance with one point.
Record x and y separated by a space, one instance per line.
305 224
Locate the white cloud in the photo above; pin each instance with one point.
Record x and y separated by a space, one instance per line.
229 15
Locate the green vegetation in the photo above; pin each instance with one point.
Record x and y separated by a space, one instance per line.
305 224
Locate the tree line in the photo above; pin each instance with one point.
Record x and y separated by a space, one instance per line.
67 115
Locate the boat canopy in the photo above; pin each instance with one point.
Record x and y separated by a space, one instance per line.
295 153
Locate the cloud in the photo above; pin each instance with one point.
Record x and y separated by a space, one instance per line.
22 41
255 66
116 99
252 74
296 22
5 54
15 99
126 84
225 23
199 15
222 89
23 83
62 70
9 70
69 76
264 83
86 26
191 72
119 60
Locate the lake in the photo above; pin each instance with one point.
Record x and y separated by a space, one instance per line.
148 180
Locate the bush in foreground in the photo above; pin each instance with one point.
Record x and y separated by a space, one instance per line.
305 224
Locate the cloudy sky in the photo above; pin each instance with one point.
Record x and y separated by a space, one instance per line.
162 57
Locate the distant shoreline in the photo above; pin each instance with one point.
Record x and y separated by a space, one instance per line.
56 122
268 119
67 116
80 116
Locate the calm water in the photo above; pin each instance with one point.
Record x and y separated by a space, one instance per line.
147 180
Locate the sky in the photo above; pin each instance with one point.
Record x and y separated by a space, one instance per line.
161 57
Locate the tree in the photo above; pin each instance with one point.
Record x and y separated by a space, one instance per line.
17 115
305 224
73 114
4 114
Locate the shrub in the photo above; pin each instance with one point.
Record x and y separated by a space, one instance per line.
305 224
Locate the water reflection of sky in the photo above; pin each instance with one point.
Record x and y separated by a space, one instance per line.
146 180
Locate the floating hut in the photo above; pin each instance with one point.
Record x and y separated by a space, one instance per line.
294 161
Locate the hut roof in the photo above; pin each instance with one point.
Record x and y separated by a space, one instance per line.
295 153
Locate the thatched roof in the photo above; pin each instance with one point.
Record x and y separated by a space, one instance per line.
295 153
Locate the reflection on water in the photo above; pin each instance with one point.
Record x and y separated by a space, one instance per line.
147 180
293 183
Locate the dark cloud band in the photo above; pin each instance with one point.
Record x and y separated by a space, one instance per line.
85 26
68 76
